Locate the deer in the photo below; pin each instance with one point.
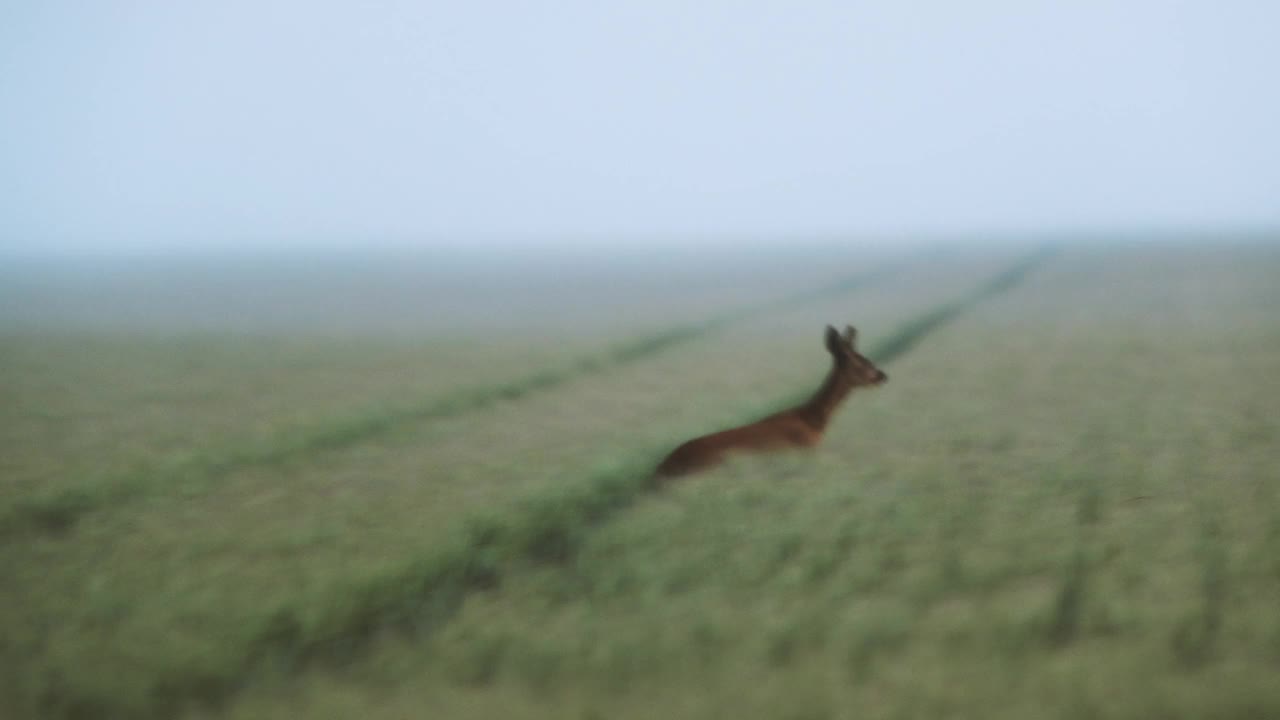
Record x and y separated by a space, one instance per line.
794 428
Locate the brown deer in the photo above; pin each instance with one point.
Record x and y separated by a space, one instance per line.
799 427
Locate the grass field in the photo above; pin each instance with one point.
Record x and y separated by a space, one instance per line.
1063 504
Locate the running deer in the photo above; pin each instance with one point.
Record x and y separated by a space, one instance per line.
798 427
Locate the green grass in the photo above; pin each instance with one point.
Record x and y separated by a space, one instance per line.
1058 507
56 507
307 557
96 416
1069 530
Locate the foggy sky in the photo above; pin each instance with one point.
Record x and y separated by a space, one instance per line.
166 124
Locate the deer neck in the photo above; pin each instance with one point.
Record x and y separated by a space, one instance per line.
824 403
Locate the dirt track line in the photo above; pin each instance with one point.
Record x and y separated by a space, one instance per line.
426 593
189 473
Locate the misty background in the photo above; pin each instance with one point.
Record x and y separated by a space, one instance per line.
411 167
156 125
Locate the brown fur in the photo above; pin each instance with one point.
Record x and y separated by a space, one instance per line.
798 427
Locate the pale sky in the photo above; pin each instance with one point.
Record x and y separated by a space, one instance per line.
163 124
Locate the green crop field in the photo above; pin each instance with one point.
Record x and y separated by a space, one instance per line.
390 489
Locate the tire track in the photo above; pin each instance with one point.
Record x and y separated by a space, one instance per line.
58 511
425 593
909 335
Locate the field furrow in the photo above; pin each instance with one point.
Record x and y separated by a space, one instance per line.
45 501
309 558
1063 505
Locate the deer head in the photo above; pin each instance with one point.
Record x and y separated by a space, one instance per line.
852 367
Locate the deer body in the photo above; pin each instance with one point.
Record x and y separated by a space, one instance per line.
799 427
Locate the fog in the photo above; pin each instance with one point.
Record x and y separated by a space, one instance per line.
161 126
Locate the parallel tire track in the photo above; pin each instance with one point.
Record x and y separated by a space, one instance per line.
426 593
189 473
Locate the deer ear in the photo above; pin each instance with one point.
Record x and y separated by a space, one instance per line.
833 340
850 335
